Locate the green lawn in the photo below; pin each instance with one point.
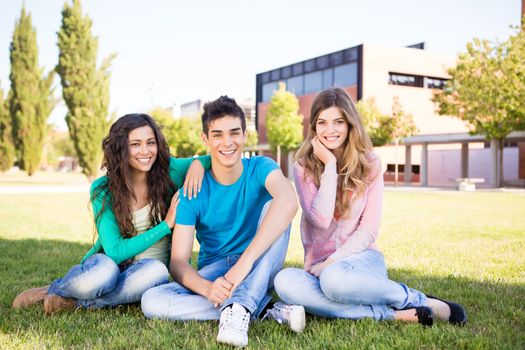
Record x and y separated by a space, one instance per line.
468 247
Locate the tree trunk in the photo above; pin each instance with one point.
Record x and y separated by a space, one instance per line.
395 163
500 175
279 155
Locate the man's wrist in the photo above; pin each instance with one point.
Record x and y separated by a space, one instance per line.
246 258
205 287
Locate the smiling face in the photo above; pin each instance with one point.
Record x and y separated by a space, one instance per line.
225 140
331 128
142 149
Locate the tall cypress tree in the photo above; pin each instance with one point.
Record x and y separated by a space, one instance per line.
31 98
84 88
7 151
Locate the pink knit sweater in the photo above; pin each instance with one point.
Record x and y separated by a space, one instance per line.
323 236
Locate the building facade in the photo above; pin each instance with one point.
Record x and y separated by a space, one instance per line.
409 74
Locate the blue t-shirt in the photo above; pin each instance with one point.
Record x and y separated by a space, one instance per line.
226 216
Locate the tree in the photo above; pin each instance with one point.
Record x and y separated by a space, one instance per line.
85 88
58 144
182 135
377 124
486 90
402 125
7 151
284 125
252 138
31 97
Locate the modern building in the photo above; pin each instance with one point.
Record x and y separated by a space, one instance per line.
410 74
193 109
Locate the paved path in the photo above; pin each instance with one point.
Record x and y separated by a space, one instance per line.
85 189
391 188
43 189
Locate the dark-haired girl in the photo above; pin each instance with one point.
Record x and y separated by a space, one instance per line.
134 207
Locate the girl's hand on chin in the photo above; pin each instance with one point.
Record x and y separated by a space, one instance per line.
322 152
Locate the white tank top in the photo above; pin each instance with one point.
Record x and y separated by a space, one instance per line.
159 250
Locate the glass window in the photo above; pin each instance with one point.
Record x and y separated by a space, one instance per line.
309 66
323 61
297 68
328 78
350 54
435 83
265 77
267 91
286 72
313 82
345 75
276 74
405 79
336 58
295 85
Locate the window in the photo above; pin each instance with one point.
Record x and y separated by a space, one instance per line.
328 78
286 72
391 168
405 79
267 91
323 61
295 85
265 77
297 69
435 83
275 74
350 54
336 58
345 75
309 66
313 82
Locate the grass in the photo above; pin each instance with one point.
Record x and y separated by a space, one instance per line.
467 247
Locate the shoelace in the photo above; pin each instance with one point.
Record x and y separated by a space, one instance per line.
237 321
278 312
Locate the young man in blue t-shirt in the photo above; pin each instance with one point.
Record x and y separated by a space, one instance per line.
242 218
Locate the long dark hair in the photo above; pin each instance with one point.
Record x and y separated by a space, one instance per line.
118 188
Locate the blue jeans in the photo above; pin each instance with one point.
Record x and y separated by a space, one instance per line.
354 287
98 282
175 302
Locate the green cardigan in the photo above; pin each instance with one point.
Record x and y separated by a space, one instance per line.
109 238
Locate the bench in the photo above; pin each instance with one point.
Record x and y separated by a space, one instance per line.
468 184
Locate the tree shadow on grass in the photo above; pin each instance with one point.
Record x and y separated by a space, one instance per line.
495 310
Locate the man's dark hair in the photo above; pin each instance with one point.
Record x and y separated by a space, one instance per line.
219 108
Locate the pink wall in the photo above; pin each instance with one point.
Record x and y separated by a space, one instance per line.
446 164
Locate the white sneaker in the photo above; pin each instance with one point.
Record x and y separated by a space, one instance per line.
233 326
292 315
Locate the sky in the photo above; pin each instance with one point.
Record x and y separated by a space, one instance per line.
172 52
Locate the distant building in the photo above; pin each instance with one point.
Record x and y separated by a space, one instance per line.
408 73
194 109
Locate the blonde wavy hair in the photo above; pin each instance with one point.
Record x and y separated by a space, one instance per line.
353 168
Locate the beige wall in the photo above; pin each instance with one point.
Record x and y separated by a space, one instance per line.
379 61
